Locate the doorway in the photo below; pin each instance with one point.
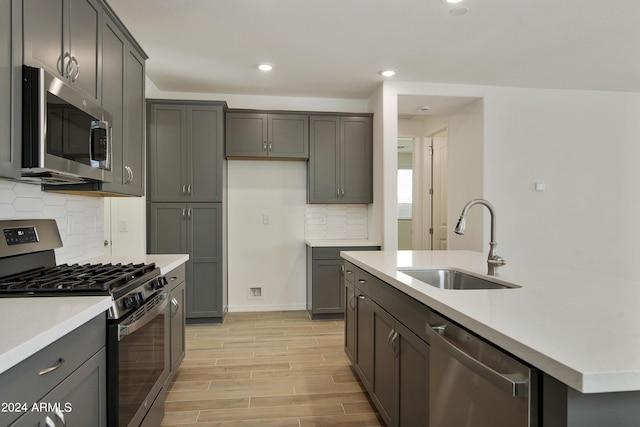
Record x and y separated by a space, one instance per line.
422 192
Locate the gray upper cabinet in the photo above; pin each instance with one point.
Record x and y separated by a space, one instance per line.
10 88
123 97
341 159
185 152
266 135
64 37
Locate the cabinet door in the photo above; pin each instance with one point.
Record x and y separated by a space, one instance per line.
324 159
133 143
113 50
81 397
364 339
384 364
167 152
327 287
177 304
350 321
168 228
84 31
357 160
204 278
288 136
412 378
44 35
246 135
10 88
204 153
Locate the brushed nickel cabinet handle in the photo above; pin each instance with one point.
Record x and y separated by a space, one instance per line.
52 368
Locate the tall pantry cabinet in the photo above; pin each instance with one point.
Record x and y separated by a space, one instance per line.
185 202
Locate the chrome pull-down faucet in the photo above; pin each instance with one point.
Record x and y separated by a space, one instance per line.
493 261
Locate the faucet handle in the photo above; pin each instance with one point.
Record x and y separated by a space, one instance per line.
497 261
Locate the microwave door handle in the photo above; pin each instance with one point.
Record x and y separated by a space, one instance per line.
91 142
109 140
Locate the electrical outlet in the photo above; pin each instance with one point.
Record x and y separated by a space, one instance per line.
123 226
266 219
255 292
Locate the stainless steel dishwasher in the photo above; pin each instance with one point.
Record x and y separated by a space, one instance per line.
474 384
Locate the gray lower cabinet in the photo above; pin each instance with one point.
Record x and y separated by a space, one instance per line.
364 336
390 355
10 87
349 317
185 152
176 279
64 37
401 372
340 159
63 383
325 288
195 229
267 135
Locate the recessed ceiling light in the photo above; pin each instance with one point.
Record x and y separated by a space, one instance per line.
424 108
452 1
265 67
388 73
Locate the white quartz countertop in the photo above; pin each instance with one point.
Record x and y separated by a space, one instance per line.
166 262
580 328
29 324
335 243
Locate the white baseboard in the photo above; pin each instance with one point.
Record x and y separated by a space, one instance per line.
266 307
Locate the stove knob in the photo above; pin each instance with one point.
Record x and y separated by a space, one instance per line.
159 283
132 301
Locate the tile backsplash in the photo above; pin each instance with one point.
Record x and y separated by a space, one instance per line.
80 219
336 222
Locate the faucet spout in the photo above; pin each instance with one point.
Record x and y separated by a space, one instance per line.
494 260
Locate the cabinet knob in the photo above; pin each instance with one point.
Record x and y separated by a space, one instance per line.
362 296
362 281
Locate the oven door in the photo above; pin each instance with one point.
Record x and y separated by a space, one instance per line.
138 362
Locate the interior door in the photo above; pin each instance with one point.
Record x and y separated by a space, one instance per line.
439 197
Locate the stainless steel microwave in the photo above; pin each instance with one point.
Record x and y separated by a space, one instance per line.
65 137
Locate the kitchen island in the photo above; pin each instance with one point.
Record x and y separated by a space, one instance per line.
581 331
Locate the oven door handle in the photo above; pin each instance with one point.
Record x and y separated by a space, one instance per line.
124 330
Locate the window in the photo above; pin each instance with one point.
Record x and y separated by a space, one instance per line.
405 193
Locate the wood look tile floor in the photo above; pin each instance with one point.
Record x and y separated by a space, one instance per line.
268 369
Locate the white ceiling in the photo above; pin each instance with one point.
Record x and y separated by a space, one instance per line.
335 48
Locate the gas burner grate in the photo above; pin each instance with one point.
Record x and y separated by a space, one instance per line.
88 278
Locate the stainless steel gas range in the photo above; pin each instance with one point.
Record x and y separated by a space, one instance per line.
137 322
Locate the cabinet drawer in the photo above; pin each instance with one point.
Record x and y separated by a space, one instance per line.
24 382
365 281
412 313
176 276
349 272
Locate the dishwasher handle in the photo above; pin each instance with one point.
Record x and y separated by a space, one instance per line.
516 384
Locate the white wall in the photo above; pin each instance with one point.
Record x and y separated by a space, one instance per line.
270 256
584 145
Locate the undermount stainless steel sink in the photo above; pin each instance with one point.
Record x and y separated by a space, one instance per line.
455 279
